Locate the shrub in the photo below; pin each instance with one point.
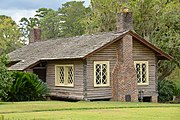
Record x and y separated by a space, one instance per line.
26 87
166 90
5 78
177 89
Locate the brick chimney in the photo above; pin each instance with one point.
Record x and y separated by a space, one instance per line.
35 35
124 85
124 21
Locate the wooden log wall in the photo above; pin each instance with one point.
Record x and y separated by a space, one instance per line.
142 53
75 92
106 54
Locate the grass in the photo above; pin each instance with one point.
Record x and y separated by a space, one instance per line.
101 110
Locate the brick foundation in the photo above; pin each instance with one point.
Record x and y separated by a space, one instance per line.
154 99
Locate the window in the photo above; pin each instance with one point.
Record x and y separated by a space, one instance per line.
101 73
141 68
64 75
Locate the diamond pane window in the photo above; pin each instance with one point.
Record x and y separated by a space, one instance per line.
101 73
144 80
141 68
104 73
64 75
61 74
70 74
138 72
98 74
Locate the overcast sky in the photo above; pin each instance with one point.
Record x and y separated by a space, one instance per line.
17 9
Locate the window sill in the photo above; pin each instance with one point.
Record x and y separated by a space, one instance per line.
101 86
64 86
143 84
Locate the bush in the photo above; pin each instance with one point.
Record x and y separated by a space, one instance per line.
177 89
5 78
167 90
26 87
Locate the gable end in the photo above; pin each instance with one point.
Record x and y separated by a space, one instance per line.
159 53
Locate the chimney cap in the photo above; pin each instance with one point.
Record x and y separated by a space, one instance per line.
125 10
36 27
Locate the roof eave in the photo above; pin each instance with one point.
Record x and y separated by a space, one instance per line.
161 57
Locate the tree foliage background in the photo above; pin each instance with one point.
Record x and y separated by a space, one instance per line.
9 35
67 21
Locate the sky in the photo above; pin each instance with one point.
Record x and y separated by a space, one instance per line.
17 9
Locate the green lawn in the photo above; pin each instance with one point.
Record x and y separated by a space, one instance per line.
103 110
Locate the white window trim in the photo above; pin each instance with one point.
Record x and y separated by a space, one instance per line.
108 74
57 82
147 70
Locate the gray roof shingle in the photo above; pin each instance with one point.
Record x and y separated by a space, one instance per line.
61 48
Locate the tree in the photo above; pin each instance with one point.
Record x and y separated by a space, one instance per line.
26 24
44 19
5 78
102 17
72 15
49 23
67 21
155 20
9 35
166 35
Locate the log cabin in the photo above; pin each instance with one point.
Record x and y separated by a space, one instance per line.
119 65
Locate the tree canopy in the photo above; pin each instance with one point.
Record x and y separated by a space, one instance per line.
65 22
49 22
72 16
9 35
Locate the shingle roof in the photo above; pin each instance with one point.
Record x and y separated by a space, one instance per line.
61 48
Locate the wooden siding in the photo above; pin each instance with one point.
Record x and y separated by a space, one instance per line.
106 54
75 92
84 74
142 53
